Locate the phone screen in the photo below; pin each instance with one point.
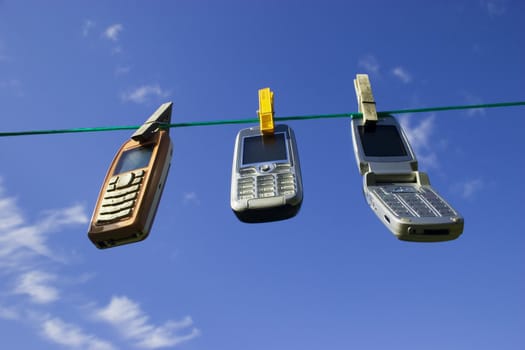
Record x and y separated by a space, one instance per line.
382 141
259 149
134 159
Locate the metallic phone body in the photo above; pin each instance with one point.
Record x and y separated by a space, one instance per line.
131 192
266 182
399 194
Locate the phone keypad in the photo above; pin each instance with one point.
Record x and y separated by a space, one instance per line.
265 186
286 183
120 197
443 208
268 185
246 188
409 201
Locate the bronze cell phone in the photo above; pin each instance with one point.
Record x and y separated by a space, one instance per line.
131 191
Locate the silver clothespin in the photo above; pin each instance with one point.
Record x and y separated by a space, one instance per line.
161 116
365 99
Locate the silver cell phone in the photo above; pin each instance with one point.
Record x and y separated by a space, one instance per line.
266 182
399 194
131 191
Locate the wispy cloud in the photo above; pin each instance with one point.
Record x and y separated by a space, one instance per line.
402 74
369 63
122 70
113 32
20 241
13 86
4 57
494 7
36 285
419 136
72 336
191 198
24 246
143 93
10 84
87 26
127 317
473 100
9 313
470 187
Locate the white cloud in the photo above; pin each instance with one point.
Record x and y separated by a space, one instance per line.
35 284
86 27
471 187
4 57
116 50
419 137
143 93
402 74
369 63
72 336
113 32
23 246
9 313
19 239
13 86
10 84
473 100
122 70
191 197
494 7
127 317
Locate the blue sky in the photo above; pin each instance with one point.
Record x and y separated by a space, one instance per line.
331 278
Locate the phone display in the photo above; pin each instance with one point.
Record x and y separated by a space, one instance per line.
382 141
266 176
399 194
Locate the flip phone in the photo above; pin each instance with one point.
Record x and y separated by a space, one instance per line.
399 194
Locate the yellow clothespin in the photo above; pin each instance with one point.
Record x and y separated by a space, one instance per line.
365 99
266 111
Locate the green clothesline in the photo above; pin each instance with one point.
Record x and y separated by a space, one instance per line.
255 120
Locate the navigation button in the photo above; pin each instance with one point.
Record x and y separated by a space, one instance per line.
124 180
265 167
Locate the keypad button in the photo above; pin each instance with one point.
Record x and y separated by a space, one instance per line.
265 167
124 180
119 200
122 192
137 180
117 208
113 217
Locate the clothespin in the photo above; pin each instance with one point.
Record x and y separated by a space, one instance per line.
266 111
365 99
161 116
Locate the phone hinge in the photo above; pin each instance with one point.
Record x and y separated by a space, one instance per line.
416 177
